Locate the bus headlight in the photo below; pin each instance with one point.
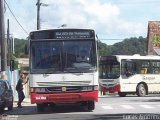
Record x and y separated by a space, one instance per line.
31 90
96 87
40 90
87 88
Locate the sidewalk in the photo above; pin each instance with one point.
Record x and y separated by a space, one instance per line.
26 100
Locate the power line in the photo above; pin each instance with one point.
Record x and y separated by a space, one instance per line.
16 18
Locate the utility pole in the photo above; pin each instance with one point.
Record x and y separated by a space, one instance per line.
10 45
38 12
3 42
8 35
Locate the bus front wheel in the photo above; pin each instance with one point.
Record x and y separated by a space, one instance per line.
40 107
91 105
141 90
122 94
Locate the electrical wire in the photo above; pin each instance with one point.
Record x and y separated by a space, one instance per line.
16 18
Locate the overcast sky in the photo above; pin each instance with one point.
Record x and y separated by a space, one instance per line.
111 19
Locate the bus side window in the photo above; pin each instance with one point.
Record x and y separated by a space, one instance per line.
144 70
128 72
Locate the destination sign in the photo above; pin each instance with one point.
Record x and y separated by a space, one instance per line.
62 34
74 34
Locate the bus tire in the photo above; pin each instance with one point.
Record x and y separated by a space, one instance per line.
40 107
91 105
122 94
1 109
10 107
141 90
104 93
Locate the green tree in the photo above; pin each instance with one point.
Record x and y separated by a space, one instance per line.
20 47
128 46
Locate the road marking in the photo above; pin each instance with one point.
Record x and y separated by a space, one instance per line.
107 107
147 106
127 107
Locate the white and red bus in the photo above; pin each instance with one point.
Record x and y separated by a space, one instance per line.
57 74
130 74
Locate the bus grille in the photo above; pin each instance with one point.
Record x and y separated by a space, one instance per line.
64 83
68 89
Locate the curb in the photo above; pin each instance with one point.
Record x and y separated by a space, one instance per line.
26 100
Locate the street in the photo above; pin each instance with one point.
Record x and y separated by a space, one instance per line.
108 107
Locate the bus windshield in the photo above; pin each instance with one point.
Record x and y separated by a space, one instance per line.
109 70
62 56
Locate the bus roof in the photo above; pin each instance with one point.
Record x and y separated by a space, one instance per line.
136 56
63 28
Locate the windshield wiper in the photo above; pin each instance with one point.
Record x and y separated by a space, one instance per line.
72 70
52 70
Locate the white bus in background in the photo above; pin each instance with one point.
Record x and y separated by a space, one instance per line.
63 67
130 74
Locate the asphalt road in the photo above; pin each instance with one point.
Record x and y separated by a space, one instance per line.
110 107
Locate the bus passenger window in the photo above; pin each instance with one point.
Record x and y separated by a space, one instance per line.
144 71
128 72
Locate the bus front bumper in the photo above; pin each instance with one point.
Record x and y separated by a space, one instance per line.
64 97
112 89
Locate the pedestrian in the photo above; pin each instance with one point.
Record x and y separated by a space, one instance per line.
128 72
19 88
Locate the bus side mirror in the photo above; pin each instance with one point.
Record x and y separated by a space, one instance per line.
98 43
26 49
12 65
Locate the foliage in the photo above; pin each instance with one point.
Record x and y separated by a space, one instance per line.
156 41
20 47
129 46
15 64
